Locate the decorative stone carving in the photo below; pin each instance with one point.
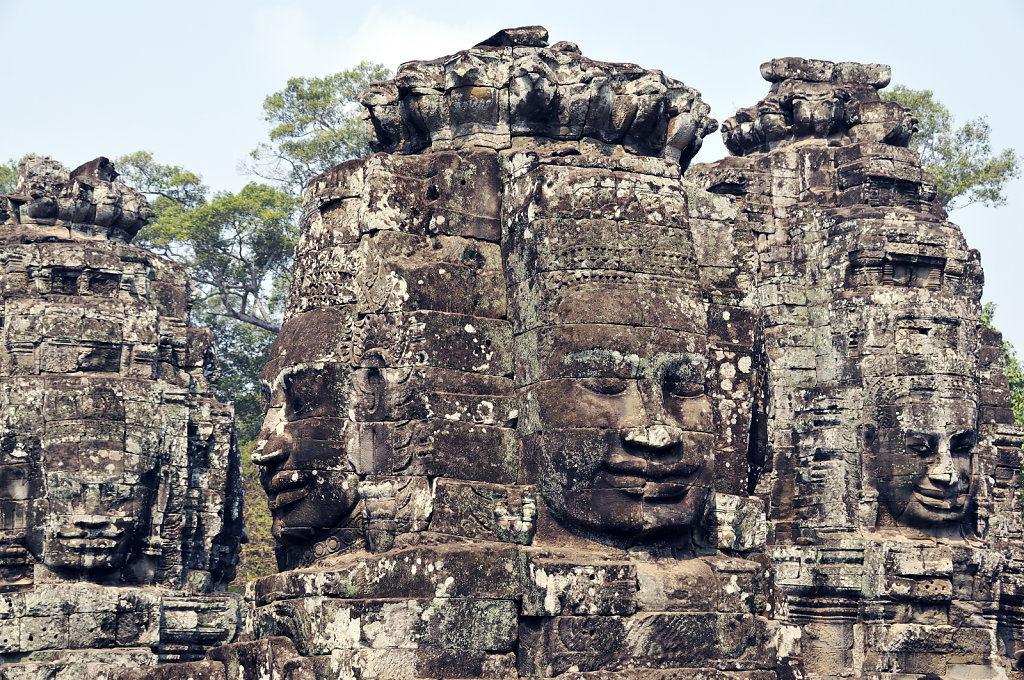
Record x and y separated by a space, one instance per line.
542 407
516 353
883 451
120 496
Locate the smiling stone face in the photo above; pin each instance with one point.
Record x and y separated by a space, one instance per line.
97 468
626 442
310 483
924 453
613 353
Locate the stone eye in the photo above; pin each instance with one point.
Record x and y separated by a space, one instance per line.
919 446
963 446
605 386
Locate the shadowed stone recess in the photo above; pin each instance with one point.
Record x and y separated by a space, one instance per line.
120 495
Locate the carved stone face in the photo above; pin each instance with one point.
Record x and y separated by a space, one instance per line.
98 518
305 471
311 485
99 465
628 449
925 461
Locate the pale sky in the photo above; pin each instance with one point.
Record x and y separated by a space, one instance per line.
186 79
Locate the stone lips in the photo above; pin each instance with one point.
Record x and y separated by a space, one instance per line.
515 86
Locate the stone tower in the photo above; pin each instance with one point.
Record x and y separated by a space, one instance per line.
120 495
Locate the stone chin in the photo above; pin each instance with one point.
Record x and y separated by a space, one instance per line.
306 507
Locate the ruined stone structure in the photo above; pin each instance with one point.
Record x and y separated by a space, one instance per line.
575 414
120 496
542 406
883 451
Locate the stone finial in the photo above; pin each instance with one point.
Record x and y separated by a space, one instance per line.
811 99
819 71
86 200
524 36
513 85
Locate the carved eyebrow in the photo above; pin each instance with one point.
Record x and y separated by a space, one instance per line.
661 364
600 356
971 434
296 370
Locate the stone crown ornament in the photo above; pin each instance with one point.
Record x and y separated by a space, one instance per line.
814 99
513 85
87 200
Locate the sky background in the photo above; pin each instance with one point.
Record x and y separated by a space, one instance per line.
186 80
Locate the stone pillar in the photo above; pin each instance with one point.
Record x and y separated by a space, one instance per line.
887 461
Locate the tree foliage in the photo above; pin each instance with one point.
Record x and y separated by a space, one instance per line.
236 246
966 169
314 125
8 176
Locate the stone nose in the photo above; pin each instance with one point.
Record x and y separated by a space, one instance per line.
270 449
944 471
644 406
657 436
267 454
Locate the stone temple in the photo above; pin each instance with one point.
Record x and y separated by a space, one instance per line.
548 401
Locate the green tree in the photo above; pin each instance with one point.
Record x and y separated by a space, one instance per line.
315 123
8 176
238 249
966 169
1014 369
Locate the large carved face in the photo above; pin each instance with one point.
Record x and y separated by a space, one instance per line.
924 461
99 469
311 485
627 444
